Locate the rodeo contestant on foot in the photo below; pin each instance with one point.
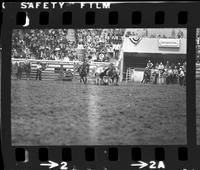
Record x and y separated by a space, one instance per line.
39 71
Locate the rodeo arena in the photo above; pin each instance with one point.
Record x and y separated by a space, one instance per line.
98 86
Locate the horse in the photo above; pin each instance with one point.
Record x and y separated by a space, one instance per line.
113 74
107 76
154 78
83 72
98 78
146 76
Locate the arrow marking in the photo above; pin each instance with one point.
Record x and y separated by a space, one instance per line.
51 164
141 164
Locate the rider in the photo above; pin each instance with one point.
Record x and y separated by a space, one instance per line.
146 77
106 71
84 70
86 65
109 68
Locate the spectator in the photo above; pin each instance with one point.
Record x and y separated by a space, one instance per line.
149 64
161 66
167 65
178 65
181 77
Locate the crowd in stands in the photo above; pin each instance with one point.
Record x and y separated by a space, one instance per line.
42 44
73 44
65 44
101 45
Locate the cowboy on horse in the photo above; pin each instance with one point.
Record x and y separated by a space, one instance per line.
109 76
113 74
83 71
146 76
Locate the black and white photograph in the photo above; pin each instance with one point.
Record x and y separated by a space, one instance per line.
198 84
99 86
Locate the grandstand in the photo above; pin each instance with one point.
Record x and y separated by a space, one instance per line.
63 44
97 45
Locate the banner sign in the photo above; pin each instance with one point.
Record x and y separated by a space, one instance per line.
135 39
171 43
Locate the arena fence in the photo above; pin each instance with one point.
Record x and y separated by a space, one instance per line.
52 72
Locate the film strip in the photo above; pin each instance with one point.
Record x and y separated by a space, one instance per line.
100 85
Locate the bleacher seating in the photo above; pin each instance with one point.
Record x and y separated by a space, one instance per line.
58 44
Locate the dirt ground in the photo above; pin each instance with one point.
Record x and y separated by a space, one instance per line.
70 113
198 110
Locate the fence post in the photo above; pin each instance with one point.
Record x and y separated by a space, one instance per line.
61 71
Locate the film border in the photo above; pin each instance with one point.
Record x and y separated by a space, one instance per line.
124 10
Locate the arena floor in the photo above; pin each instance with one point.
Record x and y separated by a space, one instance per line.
70 113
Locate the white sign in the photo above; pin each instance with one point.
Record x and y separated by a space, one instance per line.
168 42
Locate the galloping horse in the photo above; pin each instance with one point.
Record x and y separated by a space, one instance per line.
83 72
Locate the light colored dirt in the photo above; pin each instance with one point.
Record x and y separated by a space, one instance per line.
70 113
